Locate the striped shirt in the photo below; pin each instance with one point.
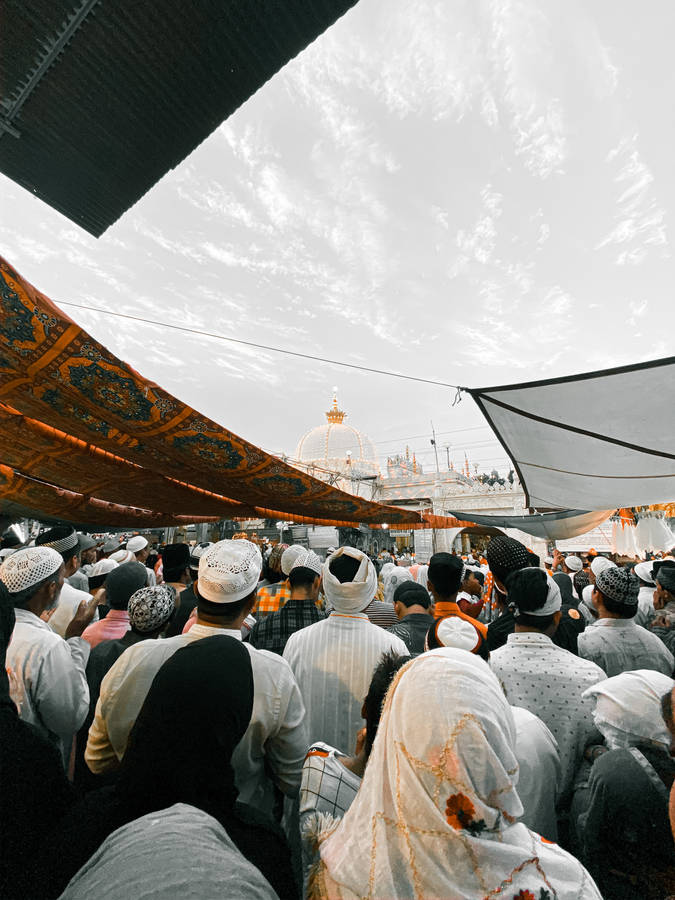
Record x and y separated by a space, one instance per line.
333 663
380 613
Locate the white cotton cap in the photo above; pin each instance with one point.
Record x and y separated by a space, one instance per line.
229 571
137 543
458 633
643 571
307 560
289 556
30 566
197 552
599 564
122 556
574 563
104 566
548 560
7 551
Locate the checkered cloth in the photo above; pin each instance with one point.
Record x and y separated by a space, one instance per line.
271 598
272 632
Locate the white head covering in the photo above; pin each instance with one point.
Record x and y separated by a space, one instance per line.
599 564
122 556
423 575
628 708
552 605
29 566
229 571
352 596
307 560
573 563
392 579
386 568
643 571
436 814
7 551
103 567
289 556
136 543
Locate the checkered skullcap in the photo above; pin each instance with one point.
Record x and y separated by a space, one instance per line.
666 577
151 607
308 560
229 571
28 567
505 554
619 585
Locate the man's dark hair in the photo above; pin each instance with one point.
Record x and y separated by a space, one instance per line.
383 675
21 599
623 610
301 576
535 562
445 573
175 574
527 591
410 593
345 567
226 612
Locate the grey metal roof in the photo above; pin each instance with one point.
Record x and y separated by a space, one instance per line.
100 98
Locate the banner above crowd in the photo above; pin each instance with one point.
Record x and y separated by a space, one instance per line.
85 438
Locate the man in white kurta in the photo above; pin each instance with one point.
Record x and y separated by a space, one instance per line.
333 660
49 680
65 541
276 739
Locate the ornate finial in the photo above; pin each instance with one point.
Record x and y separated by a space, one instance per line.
335 415
414 464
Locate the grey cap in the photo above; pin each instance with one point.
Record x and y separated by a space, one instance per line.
124 581
86 543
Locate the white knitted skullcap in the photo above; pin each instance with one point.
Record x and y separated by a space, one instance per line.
229 571
122 556
7 551
30 566
103 566
599 564
307 560
574 563
136 543
289 556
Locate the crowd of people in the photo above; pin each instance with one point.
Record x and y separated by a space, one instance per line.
226 720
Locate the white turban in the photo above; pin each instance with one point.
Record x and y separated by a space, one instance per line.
352 596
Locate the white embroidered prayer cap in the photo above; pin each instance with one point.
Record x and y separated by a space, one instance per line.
307 560
197 552
122 556
599 564
573 563
289 556
229 571
643 571
104 566
137 543
29 566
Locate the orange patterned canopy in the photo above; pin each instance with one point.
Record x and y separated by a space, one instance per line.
85 438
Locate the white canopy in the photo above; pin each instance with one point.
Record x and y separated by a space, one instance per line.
601 440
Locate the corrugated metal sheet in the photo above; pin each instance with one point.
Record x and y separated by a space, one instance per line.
134 89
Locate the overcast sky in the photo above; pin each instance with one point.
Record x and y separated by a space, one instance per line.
473 192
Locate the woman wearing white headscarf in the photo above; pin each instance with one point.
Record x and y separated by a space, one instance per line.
622 816
391 580
437 813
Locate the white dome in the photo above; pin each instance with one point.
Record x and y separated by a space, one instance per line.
338 447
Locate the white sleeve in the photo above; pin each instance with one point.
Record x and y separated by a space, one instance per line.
285 750
62 695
